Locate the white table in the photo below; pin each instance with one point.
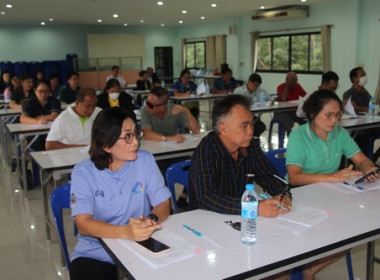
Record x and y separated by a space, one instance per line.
276 107
54 163
353 125
18 133
353 219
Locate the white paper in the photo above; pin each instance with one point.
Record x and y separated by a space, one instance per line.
350 109
201 89
180 249
299 219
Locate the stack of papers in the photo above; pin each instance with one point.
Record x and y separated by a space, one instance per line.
299 219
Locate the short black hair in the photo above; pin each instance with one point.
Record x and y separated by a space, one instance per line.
328 76
223 107
53 76
142 73
72 73
315 103
105 132
115 67
112 83
83 92
226 70
255 78
184 72
159 91
354 73
25 77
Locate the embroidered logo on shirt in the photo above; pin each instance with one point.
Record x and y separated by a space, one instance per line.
137 188
73 200
99 193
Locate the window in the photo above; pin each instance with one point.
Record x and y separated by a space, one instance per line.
196 55
294 52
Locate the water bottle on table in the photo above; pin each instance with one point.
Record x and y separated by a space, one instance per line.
262 100
371 108
249 212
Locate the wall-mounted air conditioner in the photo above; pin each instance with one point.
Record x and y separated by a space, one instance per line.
282 13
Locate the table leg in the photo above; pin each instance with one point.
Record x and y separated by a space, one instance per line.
370 260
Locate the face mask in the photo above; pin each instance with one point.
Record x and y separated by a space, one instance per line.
114 95
363 81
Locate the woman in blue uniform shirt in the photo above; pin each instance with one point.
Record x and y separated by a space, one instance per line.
118 192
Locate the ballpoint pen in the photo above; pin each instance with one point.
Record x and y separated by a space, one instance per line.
277 204
286 183
197 233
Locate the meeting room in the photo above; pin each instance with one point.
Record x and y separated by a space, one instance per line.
190 140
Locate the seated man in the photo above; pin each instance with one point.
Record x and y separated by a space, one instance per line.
68 94
226 156
359 95
161 121
73 126
253 91
330 81
116 75
290 90
225 84
152 77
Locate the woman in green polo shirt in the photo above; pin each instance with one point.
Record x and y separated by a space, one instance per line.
315 150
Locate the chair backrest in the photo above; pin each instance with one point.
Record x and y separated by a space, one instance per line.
177 173
278 159
59 200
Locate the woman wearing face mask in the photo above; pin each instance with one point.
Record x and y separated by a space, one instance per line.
113 97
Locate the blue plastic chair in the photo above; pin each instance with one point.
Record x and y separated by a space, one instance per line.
278 162
59 200
177 173
280 132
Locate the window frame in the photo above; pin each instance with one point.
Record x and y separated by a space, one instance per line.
290 35
195 56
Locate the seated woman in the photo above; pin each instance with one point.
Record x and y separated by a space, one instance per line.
118 192
41 108
143 82
315 150
23 92
185 87
15 84
113 97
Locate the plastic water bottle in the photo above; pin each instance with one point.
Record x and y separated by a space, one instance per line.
7 96
371 108
163 84
249 207
207 88
262 99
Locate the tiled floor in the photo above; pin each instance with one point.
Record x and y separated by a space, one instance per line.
25 253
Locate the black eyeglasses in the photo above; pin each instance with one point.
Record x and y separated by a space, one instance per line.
131 135
151 106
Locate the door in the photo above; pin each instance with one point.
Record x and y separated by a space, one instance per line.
163 63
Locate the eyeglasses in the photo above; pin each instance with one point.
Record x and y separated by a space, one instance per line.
131 135
151 106
337 115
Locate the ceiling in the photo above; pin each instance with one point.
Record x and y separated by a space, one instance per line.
130 12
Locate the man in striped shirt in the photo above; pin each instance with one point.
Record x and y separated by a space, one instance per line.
224 160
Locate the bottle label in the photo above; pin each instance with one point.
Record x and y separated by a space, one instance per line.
249 210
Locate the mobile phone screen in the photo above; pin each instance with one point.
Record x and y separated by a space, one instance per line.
362 179
154 245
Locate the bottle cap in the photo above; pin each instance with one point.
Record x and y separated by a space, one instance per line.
249 187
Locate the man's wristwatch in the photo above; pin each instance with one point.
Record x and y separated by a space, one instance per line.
153 217
163 138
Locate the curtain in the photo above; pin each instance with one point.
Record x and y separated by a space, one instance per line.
326 47
216 51
210 55
183 44
255 50
220 50
377 92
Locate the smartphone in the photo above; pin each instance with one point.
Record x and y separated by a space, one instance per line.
154 246
362 179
